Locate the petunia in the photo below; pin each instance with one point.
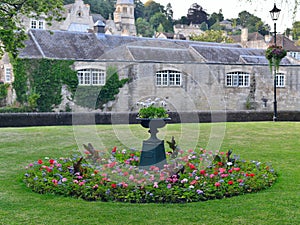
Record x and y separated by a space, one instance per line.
40 161
217 184
230 182
155 185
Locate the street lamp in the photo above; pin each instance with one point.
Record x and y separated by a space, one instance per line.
274 15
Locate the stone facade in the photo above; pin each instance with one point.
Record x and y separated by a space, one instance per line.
187 75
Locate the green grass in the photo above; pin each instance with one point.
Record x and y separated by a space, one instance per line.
266 141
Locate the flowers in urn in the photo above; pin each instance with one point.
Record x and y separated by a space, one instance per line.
152 109
274 55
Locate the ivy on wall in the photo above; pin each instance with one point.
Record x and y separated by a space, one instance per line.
95 97
38 82
3 92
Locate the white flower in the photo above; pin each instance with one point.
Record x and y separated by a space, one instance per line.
124 151
191 187
229 163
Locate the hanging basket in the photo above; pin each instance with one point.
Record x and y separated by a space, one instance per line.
274 55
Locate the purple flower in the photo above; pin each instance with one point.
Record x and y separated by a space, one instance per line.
200 192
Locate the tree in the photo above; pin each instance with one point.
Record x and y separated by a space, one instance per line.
151 7
212 36
253 23
296 30
196 14
160 18
144 28
215 17
12 33
139 9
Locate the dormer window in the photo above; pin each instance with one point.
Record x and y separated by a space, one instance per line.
37 24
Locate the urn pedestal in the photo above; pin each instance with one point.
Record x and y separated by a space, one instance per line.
153 150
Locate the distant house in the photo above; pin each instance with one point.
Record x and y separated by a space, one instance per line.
79 18
170 36
256 40
188 75
187 30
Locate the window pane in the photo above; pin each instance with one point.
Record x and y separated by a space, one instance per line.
8 74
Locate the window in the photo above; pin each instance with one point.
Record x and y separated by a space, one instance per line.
280 80
37 24
168 78
237 79
91 77
7 74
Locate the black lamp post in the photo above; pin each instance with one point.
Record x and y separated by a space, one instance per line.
274 15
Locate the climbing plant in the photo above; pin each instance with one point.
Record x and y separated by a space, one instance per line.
38 82
95 97
3 91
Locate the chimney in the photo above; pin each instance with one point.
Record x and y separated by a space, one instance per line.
244 35
99 27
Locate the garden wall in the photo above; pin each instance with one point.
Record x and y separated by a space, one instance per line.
57 119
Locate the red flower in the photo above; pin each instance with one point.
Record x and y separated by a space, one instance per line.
202 172
51 161
220 163
113 185
216 173
114 150
230 182
40 161
192 166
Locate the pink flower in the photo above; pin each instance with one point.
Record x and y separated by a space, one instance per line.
193 182
81 183
211 176
217 184
169 186
75 181
222 170
30 165
155 185
95 186
236 169
54 181
64 179
224 175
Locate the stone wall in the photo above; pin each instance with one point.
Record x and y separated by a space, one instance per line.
59 119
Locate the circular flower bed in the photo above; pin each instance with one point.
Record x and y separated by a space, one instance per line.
195 175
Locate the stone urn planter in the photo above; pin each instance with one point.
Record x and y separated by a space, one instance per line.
153 150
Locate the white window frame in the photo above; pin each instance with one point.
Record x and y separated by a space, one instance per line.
237 79
280 80
8 74
37 24
169 78
91 77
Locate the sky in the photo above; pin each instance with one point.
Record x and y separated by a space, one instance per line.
231 9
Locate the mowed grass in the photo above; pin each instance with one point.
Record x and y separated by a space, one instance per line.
266 141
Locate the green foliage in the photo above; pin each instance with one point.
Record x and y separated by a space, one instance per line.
196 14
153 112
203 177
212 36
38 82
3 91
95 97
12 33
296 30
144 28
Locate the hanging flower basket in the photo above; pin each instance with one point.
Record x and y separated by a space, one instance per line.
274 55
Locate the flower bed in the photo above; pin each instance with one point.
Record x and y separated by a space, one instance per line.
114 176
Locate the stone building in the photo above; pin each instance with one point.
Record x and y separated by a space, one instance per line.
78 18
187 75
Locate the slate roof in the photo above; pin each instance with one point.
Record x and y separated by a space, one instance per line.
91 46
286 43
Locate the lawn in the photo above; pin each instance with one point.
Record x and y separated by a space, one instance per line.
266 141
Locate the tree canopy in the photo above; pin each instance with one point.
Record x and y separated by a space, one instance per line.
12 32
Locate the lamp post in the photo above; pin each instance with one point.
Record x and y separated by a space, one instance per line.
274 15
